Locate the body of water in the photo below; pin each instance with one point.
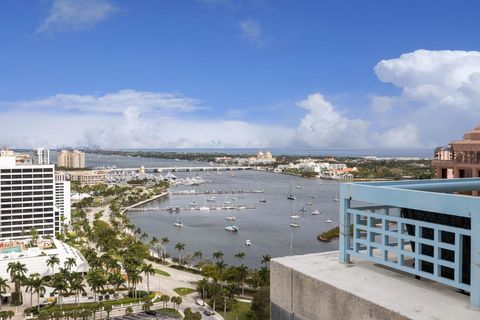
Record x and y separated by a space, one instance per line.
267 226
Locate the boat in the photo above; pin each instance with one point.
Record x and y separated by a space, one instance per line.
315 212
227 202
298 187
178 223
192 204
336 200
231 218
328 221
303 209
295 225
290 196
212 199
204 208
295 216
308 203
231 228
248 243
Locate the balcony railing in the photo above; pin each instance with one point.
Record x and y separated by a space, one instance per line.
417 227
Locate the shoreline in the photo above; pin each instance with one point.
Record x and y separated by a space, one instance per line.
158 196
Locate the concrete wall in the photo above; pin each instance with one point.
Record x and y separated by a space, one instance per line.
296 296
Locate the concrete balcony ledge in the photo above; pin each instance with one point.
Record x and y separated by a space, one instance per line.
318 287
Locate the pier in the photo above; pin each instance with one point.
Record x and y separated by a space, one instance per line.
195 192
181 169
178 209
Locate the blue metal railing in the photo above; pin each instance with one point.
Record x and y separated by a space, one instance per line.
432 250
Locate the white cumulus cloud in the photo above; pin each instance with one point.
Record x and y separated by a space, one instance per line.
75 15
440 93
324 126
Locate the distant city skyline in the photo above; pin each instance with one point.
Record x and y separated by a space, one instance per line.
238 74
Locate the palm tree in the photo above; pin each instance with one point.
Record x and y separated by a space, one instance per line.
165 241
39 289
116 280
96 281
218 255
180 247
77 286
135 278
69 263
235 306
52 261
30 285
198 255
240 256
148 271
3 289
60 286
266 260
34 235
17 272
242 271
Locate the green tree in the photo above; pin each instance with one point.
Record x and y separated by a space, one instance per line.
148 271
108 308
218 255
17 272
180 247
3 289
240 256
52 261
69 263
242 272
261 303
96 281
39 286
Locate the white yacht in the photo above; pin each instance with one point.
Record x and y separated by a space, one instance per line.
315 212
308 203
328 221
178 224
248 243
231 228
336 200
295 216
204 208
211 199
295 225
231 218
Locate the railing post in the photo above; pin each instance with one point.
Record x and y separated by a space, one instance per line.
475 260
344 227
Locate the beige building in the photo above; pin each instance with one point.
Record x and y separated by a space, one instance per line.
71 159
90 177
459 159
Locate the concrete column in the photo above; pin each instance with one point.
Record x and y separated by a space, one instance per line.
438 172
344 223
475 260
456 172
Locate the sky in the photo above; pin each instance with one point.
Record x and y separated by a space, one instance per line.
238 73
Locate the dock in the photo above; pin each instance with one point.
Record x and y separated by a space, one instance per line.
178 209
195 192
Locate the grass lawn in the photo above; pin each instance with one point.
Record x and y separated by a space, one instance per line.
169 312
73 306
184 291
162 273
242 312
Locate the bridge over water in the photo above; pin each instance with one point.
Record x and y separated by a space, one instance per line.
182 169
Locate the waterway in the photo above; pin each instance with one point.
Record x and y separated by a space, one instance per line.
267 226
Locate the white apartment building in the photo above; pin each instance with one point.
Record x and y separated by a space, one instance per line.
62 197
41 156
27 199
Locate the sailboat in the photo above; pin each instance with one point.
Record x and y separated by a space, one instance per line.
178 223
313 196
290 196
263 199
328 221
294 216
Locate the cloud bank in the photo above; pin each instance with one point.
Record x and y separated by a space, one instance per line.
438 99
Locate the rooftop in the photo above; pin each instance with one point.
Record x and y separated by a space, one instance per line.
399 292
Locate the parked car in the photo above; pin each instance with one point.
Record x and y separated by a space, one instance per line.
208 312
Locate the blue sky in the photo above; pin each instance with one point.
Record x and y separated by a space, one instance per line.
231 73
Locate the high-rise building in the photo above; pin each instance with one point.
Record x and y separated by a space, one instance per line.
62 198
41 156
71 159
27 199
